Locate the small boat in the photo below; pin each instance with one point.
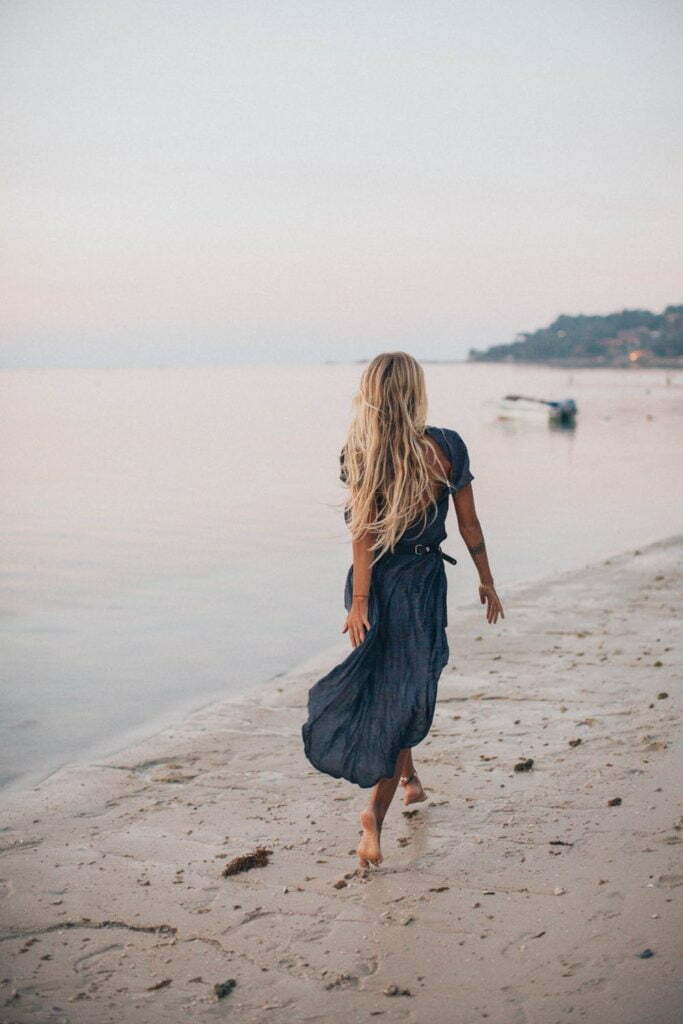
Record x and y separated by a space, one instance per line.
562 413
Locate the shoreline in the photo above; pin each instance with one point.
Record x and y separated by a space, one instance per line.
133 736
159 724
113 903
583 364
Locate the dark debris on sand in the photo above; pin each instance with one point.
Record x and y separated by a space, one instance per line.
224 988
257 859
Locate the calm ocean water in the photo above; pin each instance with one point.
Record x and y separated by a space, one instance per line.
175 535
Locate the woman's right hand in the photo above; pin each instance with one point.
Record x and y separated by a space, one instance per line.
489 597
357 621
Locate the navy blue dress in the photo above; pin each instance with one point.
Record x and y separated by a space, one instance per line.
381 697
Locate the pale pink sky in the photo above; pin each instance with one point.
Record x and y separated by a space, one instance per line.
302 180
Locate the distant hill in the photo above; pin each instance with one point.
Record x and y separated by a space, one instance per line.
634 336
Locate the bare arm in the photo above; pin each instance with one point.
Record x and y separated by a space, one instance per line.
472 534
362 568
357 619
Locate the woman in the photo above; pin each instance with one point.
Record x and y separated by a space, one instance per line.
368 712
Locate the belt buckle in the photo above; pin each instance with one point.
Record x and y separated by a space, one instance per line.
418 549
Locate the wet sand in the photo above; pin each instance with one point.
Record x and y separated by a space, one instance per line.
513 896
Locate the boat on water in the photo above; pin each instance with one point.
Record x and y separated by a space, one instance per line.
558 412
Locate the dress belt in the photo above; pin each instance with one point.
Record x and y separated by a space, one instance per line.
424 549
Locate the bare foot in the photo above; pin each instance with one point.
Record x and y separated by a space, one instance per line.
414 792
368 849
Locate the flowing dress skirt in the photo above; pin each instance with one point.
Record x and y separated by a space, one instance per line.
381 697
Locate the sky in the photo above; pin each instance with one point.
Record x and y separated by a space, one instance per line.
211 181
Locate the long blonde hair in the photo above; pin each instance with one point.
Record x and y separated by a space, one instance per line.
386 463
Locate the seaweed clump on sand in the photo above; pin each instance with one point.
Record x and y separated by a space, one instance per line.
247 861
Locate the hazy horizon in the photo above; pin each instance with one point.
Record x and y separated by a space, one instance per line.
216 184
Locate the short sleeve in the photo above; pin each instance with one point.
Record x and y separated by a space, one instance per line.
461 474
343 478
342 467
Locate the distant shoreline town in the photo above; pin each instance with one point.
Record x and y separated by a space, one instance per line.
633 337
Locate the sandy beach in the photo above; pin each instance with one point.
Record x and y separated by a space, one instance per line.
514 896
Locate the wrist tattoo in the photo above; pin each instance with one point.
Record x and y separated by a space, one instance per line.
477 549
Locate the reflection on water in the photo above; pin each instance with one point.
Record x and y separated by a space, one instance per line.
175 535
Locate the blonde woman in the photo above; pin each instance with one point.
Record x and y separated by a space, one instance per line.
368 712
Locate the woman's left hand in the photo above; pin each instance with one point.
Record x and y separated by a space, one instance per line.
357 621
489 597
